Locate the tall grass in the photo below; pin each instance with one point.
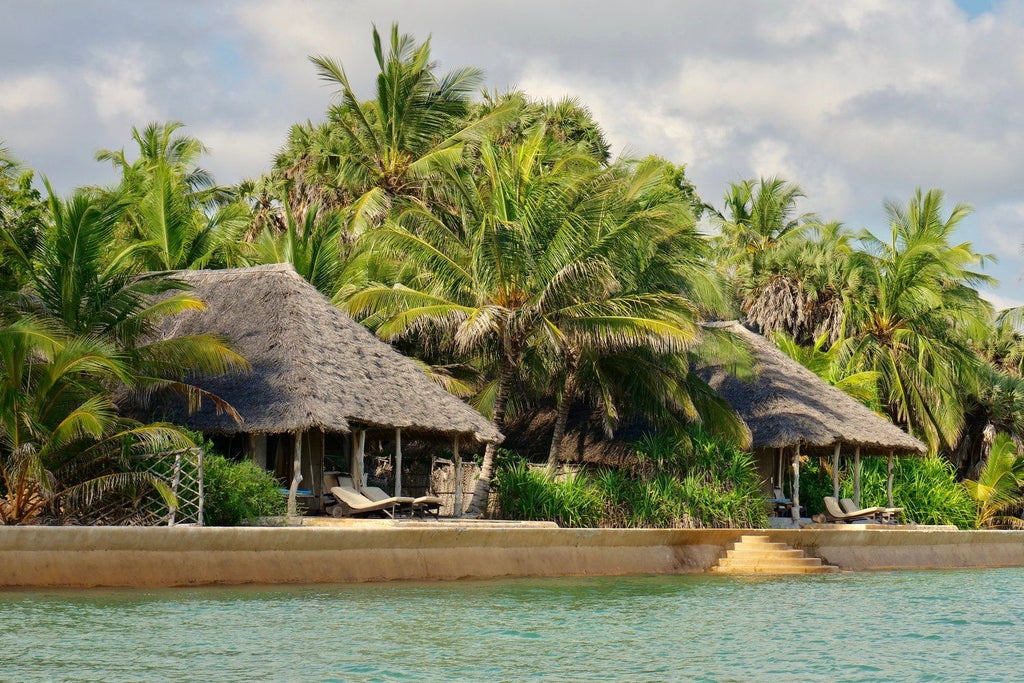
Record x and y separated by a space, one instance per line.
690 482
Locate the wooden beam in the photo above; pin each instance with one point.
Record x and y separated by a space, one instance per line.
398 462
856 476
293 506
888 483
796 483
457 459
835 471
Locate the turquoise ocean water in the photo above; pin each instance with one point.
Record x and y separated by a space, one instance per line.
907 626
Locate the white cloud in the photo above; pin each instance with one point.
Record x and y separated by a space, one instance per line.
23 94
118 81
999 302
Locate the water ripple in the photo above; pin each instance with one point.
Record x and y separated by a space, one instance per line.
901 626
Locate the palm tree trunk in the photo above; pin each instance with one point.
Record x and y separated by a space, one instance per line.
568 394
482 490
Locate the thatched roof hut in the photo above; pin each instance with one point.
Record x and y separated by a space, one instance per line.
313 367
788 405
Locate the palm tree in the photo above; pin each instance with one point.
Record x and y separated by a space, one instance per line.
526 269
920 309
999 489
313 248
758 216
62 444
807 285
76 282
391 144
175 216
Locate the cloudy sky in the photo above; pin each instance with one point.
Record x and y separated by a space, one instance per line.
858 102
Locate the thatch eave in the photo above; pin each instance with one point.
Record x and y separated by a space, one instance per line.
786 405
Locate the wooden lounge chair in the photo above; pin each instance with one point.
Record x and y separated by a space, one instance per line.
834 513
887 514
423 504
354 503
377 495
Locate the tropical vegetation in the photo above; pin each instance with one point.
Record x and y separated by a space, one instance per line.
496 239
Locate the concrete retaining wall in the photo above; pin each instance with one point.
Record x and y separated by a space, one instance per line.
111 556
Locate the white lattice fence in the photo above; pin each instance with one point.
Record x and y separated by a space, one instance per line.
181 471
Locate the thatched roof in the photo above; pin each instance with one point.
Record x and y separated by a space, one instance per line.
312 365
787 404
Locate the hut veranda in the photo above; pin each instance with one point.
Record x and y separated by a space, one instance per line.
319 386
791 411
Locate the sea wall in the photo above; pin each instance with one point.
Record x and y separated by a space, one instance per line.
117 556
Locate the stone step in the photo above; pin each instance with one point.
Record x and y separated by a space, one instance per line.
780 553
822 569
770 562
754 539
760 547
758 554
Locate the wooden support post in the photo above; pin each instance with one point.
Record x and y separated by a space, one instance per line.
796 483
835 472
856 476
888 483
780 455
293 506
361 461
457 510
398 462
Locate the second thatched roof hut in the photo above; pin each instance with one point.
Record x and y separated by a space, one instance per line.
788 407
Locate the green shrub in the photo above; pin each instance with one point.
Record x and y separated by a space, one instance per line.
694 481
926 488
238 492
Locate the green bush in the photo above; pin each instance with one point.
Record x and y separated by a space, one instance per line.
695 481
238 492
926 488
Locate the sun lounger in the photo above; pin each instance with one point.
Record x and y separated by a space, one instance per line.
887 514
834 513
355 503
376 494
431 504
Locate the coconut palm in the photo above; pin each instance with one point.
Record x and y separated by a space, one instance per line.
757 217
999 489
527 269
63 445
390 145
313 248
920 309
175 217
76 282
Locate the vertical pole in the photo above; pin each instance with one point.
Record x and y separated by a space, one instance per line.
175 480
457 511
202 493
398 462
293 506
888 484
796 483
856 476
835 471
780 454
361 461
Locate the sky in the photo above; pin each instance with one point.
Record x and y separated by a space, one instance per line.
857 102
